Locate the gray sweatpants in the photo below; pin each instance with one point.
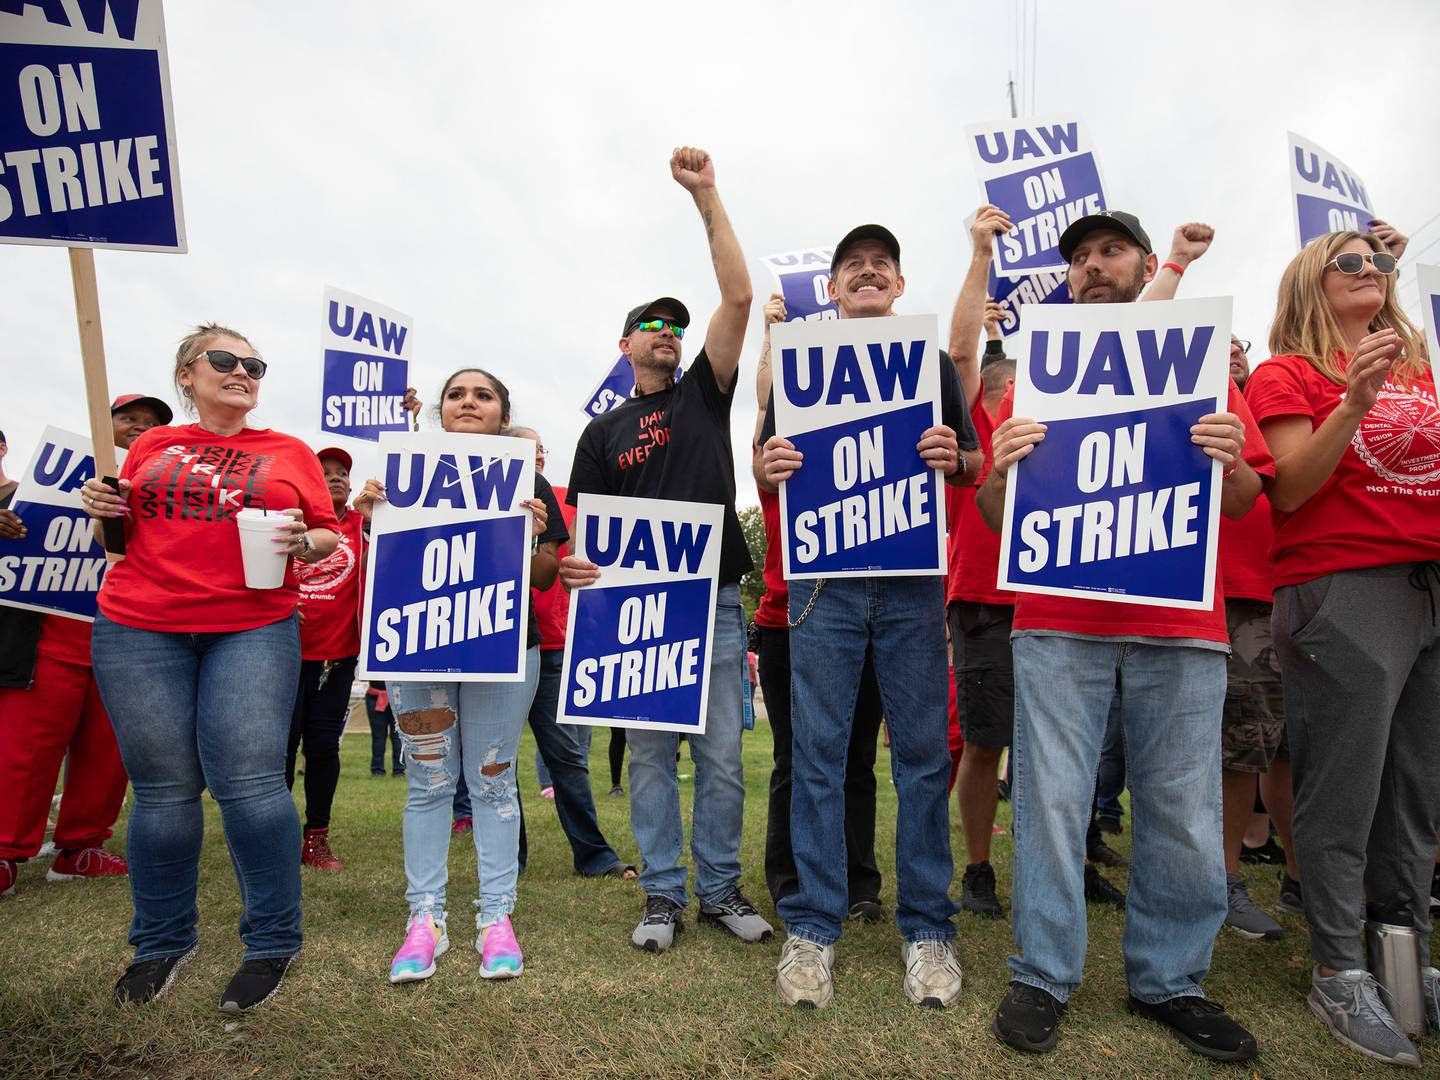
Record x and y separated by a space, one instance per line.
1360 657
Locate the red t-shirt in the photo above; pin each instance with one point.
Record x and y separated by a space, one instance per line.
182 570
1379 506
974 548
1245 566
332 591
1071 615
552 605
65 639
773 612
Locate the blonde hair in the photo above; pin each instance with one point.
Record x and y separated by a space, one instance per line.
191 346
1305 325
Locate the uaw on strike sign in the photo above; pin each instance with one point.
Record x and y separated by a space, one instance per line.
1116 503
854 396
87 132
447 594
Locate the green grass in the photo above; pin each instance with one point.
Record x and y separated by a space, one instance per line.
588 1005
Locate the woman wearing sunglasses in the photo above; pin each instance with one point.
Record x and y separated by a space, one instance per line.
1347 404
450 728
198 672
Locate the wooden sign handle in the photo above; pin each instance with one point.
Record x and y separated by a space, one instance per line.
97 387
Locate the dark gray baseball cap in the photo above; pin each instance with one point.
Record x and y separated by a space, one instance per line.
1115 220
667 305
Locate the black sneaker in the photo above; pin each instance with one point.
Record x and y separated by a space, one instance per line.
1108 823
255 983
1291 899
1028 1018
1102 853
149 979
1202 1025
870 911
978 891
1267 854
1100 891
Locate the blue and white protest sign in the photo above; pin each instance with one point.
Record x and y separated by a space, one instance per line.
87 132
803 278
448 588
616 388
1116 503
1044 175
637 652
1328 196
59 565
855 396
365 368
1012 293
1428 278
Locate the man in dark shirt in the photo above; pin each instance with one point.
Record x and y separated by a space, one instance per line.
672 441
899 623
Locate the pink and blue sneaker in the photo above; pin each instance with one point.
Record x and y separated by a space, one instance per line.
425 939
499 951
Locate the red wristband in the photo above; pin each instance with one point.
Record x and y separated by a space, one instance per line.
1179 270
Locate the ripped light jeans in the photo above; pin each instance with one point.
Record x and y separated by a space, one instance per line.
491 717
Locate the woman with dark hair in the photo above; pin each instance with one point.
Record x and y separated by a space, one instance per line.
450 729
198 670
1347 404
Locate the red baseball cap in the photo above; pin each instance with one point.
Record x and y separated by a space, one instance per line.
154 404
338 454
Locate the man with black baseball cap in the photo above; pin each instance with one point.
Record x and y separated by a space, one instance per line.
1163 668
672 441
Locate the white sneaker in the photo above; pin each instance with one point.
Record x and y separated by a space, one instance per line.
803 974
932 974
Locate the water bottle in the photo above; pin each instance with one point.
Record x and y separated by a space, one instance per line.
1394 954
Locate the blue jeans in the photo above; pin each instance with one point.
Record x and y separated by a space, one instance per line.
1171 697
192 711
490 718
899 622
719 778
556 745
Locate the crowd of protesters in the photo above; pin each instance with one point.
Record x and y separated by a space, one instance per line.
1311 687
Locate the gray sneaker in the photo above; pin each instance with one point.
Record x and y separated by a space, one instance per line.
658 928
1430 982
734 913
803 975
1245 918
1349 1004
1291 899
932 974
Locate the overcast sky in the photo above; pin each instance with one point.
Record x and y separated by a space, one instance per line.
499 171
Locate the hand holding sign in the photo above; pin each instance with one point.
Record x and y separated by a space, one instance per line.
692 168
373 492
939 448
994 318
102 501
1221 436
576 573
989 220
1013 441
11 527
780 459
774 311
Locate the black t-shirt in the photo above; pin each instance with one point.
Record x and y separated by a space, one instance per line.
953 413
672 444
554 530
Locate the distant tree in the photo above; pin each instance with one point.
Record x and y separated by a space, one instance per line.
752 585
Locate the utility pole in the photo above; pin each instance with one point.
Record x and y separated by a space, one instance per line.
1013 113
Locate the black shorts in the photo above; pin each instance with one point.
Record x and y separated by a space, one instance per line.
984 671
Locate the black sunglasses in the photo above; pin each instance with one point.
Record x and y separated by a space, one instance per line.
224 362
1244 345
1352 262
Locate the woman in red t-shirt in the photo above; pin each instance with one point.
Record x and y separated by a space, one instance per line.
1347 404
198 672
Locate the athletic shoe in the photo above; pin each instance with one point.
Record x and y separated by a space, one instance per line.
1291 899
425 939
1201 1025
1102 853
1267 854
9 871
149 979
315 851
1108 823
90 862
461 825
656 931
803 975
377 772
1349 1004
977 889
932 974
1244 917
736 914
1100 891
1028 1018
500 956
255 983
1430 983
870 911
617 792
548 791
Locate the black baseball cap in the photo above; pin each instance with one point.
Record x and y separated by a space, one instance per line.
668 304
865 232
1116 220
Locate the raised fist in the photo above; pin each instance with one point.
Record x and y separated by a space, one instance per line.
692 168
1190 241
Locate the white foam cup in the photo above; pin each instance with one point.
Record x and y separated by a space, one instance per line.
264 559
